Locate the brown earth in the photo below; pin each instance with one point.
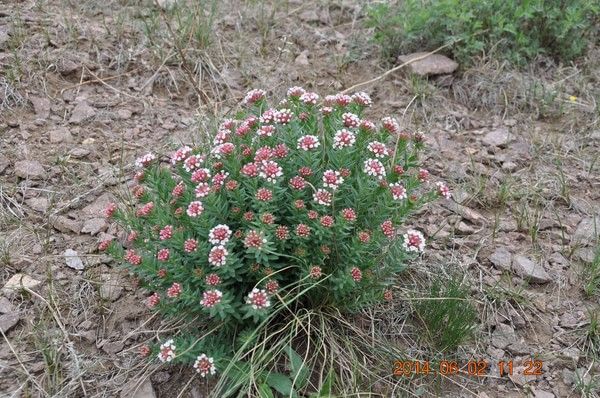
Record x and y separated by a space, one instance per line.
85 87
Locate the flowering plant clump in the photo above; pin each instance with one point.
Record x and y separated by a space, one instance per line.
302 203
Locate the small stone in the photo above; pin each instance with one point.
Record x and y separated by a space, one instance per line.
587 231
93 226
111 288
542 394
527 269
88 335
501 258
88 141
509 166
73 260
434 64
79 153
8 321
519 378
20 281
499 137
30 169
503 336
81 113
586 254
6 306
112 347
61 135
558 259
302 58
41 106
65 224
124 114
97 207
464 228
145 390
40 204
567 320
67 66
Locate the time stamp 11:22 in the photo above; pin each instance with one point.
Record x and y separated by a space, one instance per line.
477 368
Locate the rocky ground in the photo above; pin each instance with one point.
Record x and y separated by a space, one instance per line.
85 87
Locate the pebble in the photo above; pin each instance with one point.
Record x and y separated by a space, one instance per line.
6 306
587 231
145 390
31 169
8 321
501 258
111 288
93 226
65 224
434 64
497 138
40 204
61 134
81 113
527 269
41 106
20 281
72 259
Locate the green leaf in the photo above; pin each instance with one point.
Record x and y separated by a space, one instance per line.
264 391
281 383
300 372
326 388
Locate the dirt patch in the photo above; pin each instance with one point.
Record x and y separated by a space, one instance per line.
87 87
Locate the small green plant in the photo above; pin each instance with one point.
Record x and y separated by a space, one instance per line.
592 275
293 207
517 31
448 317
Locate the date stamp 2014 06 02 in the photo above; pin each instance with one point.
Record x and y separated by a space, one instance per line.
477 368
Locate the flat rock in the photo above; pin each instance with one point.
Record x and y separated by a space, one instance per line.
302 58
41 106
66 224
503 336
542 394
40 204
79 153
93 226
97 207
587 231
8 321
31 169
498 137
501 258
72 259
82 112
145 390
112 347
527 269
62 134
434 64
20 281
6 306
111 288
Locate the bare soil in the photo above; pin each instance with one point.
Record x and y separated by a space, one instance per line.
87 86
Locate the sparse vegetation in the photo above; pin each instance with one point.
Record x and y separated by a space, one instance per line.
449 318
157 75
516 31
